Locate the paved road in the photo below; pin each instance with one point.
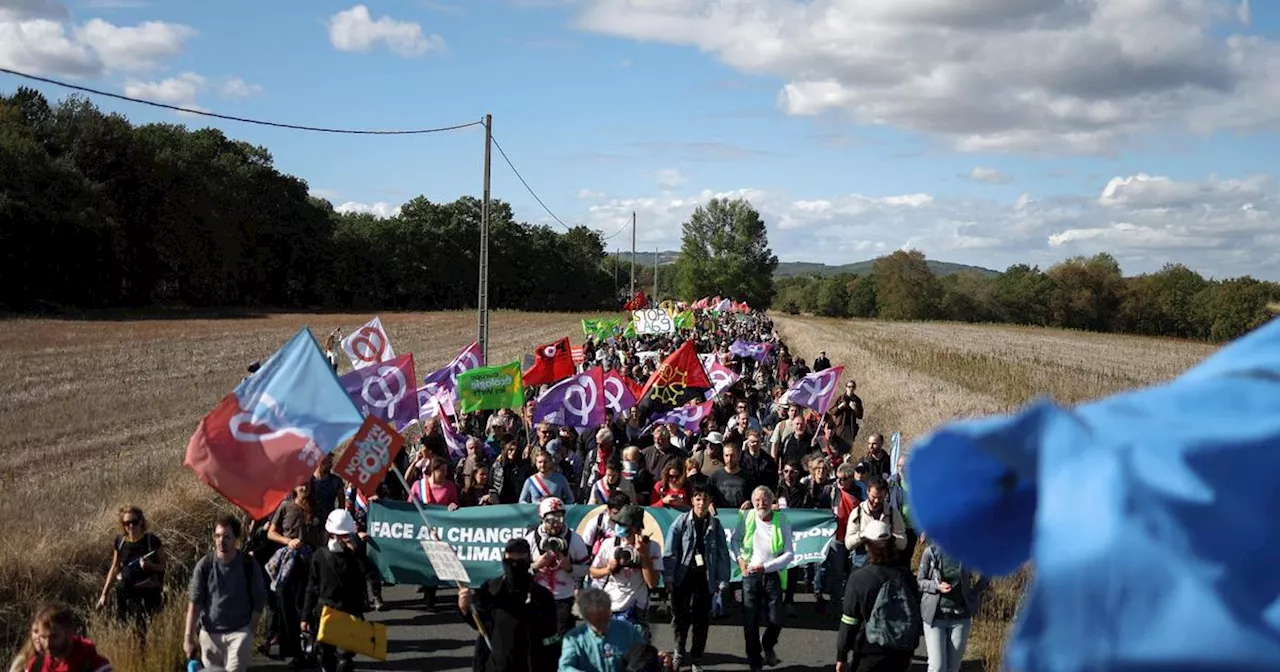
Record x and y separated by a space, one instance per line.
439 641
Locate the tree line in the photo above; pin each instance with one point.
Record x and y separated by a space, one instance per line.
1088 293
96 212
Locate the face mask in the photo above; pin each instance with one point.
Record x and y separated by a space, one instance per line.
517 573
619 531
336 546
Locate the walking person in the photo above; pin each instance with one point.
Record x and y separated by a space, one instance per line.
226 596
517 617
603 643
950 597
298 531
697 568
336 581
629 564
765 549
58 646
560 559
138 564
880 622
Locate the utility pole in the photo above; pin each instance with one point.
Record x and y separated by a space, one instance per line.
633 256
483 299
616 253
655 275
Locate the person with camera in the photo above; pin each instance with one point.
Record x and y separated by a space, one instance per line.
629 564
560 559
697 568
515 616
765 548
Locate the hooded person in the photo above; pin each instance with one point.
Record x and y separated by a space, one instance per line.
516 617
337 581
560 559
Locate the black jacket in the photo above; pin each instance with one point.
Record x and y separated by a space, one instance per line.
523 632
337 581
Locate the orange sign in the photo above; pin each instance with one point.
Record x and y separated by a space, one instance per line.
369 455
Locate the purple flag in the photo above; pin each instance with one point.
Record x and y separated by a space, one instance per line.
721 376
688 417
446 379
385 390
577 402
816 390
756 351
617 394
456 441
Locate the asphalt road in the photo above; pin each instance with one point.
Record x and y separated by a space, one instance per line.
438 640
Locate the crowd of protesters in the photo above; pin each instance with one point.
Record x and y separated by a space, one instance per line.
754 453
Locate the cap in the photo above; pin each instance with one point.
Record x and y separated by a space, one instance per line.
629 516
715 437
876 530
862 466
340 523
550 505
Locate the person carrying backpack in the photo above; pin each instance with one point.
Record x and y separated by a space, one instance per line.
227 594
880 624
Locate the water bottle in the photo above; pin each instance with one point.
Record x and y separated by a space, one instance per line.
194 665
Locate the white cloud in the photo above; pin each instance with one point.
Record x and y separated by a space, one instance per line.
37 37
1064 76
235 87
987 175
381 208
1144 221
327 194
669 178
181 90
115 4
589 194
355 30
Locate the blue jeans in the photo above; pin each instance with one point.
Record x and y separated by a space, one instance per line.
946 641
761 603
830 575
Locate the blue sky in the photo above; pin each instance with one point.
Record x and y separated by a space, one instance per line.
988 132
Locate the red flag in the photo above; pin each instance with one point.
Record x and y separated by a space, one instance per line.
552 363
680 379
369 454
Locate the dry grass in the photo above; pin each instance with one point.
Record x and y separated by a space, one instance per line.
914 376
97 414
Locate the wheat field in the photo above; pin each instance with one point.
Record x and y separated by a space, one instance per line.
914 376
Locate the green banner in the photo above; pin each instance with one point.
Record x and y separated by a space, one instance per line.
683 320
491 388
479 533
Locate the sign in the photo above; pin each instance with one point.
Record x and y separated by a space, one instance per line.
491 388
445 562
478 534
653 321
365 461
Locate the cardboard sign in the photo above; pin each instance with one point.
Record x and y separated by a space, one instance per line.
370 453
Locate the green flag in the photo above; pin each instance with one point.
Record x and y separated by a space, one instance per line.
491 388
683 320
590 327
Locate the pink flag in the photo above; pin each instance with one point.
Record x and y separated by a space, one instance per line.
446 379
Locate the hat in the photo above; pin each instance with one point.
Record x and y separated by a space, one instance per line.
862 466
875 530
340 523
550 505
715 437
518 546
629 516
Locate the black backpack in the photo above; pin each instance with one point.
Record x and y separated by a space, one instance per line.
250 567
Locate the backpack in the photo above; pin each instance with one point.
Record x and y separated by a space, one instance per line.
894 622
250 568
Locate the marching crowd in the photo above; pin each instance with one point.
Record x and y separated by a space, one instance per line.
755 453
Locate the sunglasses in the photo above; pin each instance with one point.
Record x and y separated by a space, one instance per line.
131 521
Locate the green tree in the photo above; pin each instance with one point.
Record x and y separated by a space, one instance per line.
862 297
906 288
725 250
833 296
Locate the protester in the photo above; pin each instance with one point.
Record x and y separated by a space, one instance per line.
327 487
545 482
899 502
671 492
848 412
731 486
629 565
336 581
696 562
509 474
613 482
634 472
560 559
226 596
59 647
601 526
880 622
299 532
435 488
603 643
765 549
516 617
877 459
873 508
29 648
138 564
950 598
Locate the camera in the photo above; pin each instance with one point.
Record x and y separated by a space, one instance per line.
554 545
625 556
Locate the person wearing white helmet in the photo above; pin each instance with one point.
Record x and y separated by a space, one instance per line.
560 559
336 581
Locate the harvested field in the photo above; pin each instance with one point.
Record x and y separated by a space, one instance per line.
96 414
915 376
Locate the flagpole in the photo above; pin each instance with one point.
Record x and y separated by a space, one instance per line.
482 301
633 256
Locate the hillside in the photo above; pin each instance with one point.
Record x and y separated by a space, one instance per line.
787 269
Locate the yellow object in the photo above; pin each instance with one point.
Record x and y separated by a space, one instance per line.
346 632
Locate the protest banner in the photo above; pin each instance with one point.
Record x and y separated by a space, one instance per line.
491 388
479 533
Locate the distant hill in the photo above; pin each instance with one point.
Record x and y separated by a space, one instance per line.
787 269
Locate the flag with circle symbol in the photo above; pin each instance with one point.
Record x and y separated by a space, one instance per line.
619 396
816 391
689 417
385 391
721 376
577 402
368 345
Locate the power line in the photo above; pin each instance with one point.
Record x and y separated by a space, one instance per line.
526 184
615 233
244 120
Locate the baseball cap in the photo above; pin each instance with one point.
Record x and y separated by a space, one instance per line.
715 437
875 530
862 466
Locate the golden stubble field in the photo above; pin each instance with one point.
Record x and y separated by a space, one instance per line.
97 414
915 376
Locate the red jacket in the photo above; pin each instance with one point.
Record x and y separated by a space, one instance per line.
84 657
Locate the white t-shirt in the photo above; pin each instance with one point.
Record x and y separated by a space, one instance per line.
559 582
627 588
762 546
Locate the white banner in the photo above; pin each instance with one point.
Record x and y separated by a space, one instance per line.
653 321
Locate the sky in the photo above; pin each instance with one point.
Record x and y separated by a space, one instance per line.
985 132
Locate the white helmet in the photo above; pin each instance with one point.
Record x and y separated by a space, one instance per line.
550 505
340 523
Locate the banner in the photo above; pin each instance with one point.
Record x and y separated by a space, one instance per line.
479 534
491 388
653 321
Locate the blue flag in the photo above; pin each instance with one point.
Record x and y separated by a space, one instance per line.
1150 516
